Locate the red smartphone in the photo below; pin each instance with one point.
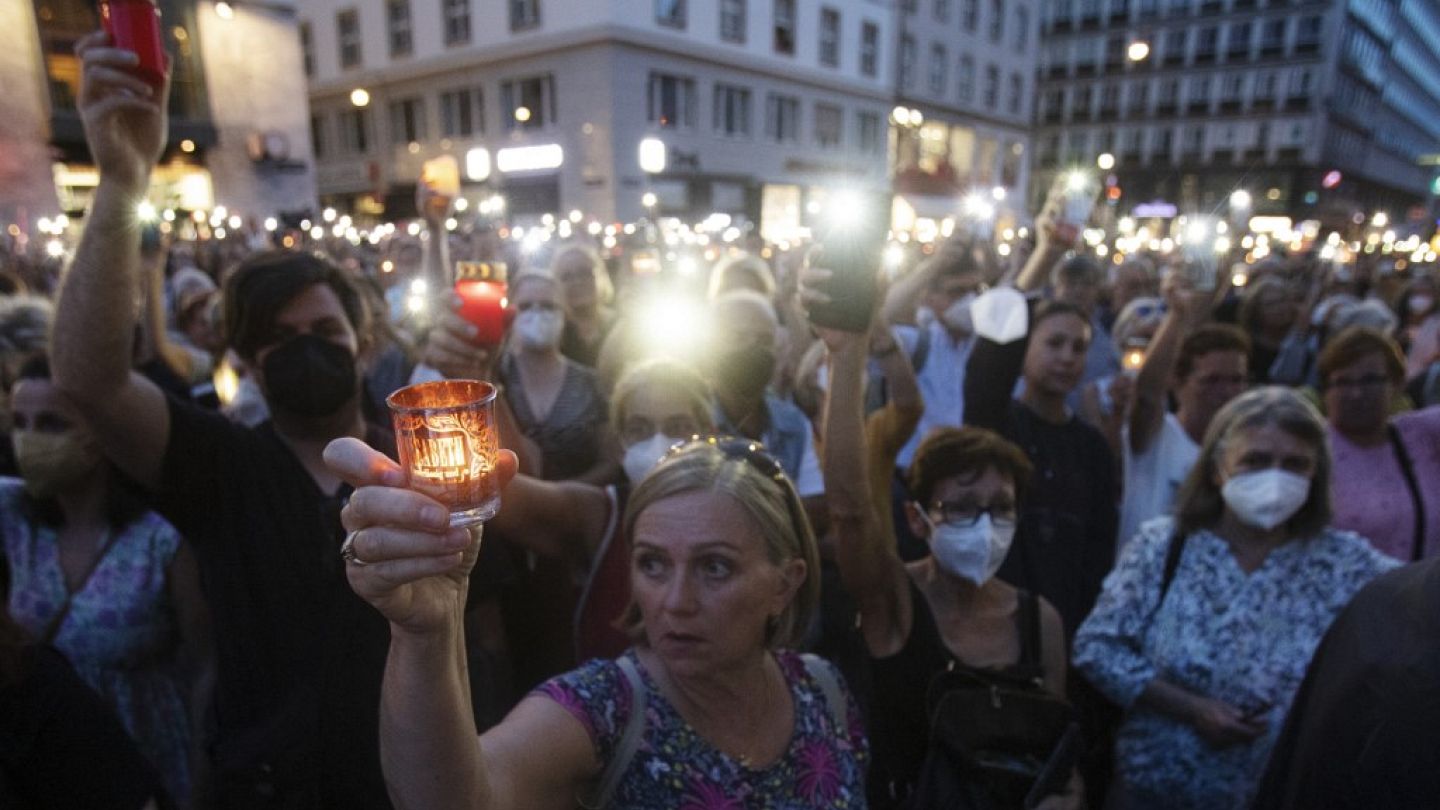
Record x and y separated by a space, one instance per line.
134 25
483 299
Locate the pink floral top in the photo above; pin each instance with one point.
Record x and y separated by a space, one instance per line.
674 767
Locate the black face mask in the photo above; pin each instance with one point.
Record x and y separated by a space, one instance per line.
309 376
746 371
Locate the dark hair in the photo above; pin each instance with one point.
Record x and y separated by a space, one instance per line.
122 504
1355 343
1078 268
952 262
1054 309
267 282
966 452
1212 337
1199 503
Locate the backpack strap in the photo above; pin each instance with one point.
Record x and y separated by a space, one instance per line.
1407 468
629 739
1173 550
921 353
835 703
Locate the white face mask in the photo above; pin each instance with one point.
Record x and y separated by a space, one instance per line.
539 328
957 316
972 553
641 457
1266 498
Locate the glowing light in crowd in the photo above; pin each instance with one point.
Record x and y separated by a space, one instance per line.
271 223
976 206
317 232
328 215
652 155
998 193
575 216
451 224
187 146
1222 245
530 158
1076 181
522 114
477 164
224 11
168 215
220 233
235 223
1239 198
54 249
1106 162
648 199
461 204
227 383
894 256
146 211
360 97
1380 220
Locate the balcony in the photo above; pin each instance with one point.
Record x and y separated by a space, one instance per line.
1307 48
1198 107
1209 7
1262 104
1204 57
1085 70
1165 108
1173 59
1233 105
1270 50
1297 104
1238 54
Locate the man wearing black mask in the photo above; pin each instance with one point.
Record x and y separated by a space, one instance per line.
740 370
299 657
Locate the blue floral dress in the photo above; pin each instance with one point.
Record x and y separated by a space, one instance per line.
1246 639
674 767
120 634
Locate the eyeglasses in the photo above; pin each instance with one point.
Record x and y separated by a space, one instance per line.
735 447
1367 381
965 515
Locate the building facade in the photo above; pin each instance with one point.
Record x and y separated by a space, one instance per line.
969 68
1316 108
759 105
239 132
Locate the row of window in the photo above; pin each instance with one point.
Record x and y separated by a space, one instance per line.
969 18
1083 145
673 102
527 103
525 14
1197 45
1066 11
938 79
1230 88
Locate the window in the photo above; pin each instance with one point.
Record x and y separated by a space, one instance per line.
1110 97
318 141
870 49
1237 45
1139 98
307 48
907 60
829 121
1194 140
347 31
970 15
1022 28
670 13
1149 10
782 117
1169 92
1082 101
1164 141
672 102
355 130
942 11
939 62
1307 32
1231 87
1177 8
732 110
1175 46
732 20
869 131
829 37
461 113
407 120
997 20
528 103
1300 83
457 22
784 39
1133 141
1199 91
992 86
966 79
1017 93
1265 86
397 18
524 14
1206 43
1272 37
1076 145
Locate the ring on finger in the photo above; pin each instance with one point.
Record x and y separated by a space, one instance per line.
347 550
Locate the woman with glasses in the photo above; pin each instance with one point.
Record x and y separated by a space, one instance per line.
947 610
1387 470
1204 630
707 709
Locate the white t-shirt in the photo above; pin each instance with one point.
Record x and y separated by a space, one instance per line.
941 381
1153 478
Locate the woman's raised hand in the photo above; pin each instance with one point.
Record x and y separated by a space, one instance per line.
411 565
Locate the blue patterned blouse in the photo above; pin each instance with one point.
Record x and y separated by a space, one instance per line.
824 767
1242 638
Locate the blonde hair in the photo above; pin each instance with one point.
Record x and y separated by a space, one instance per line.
766 496
604 289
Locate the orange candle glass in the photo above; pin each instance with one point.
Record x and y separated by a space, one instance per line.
446 437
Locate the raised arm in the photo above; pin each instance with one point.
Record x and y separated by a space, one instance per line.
1049 248
416 573
125 127
1186 309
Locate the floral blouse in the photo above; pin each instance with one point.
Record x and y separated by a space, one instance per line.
674 767
1242 638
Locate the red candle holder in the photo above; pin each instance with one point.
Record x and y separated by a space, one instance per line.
446 437
483 299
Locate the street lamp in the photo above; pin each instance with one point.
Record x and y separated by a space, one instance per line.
1138 51
652 155
1106 162
649 199
360 97
1239 198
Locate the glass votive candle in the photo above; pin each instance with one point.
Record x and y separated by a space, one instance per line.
446 438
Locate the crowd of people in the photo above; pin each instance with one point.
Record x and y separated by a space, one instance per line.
1045 531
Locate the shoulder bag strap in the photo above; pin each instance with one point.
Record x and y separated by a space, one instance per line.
1417 549
1029 629
629 739
52 629
830 689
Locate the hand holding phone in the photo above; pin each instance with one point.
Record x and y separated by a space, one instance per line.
134 25
852 243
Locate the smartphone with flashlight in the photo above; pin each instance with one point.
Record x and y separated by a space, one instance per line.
1134 356
1077 201
852 240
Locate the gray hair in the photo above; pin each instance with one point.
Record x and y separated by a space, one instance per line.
24 323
